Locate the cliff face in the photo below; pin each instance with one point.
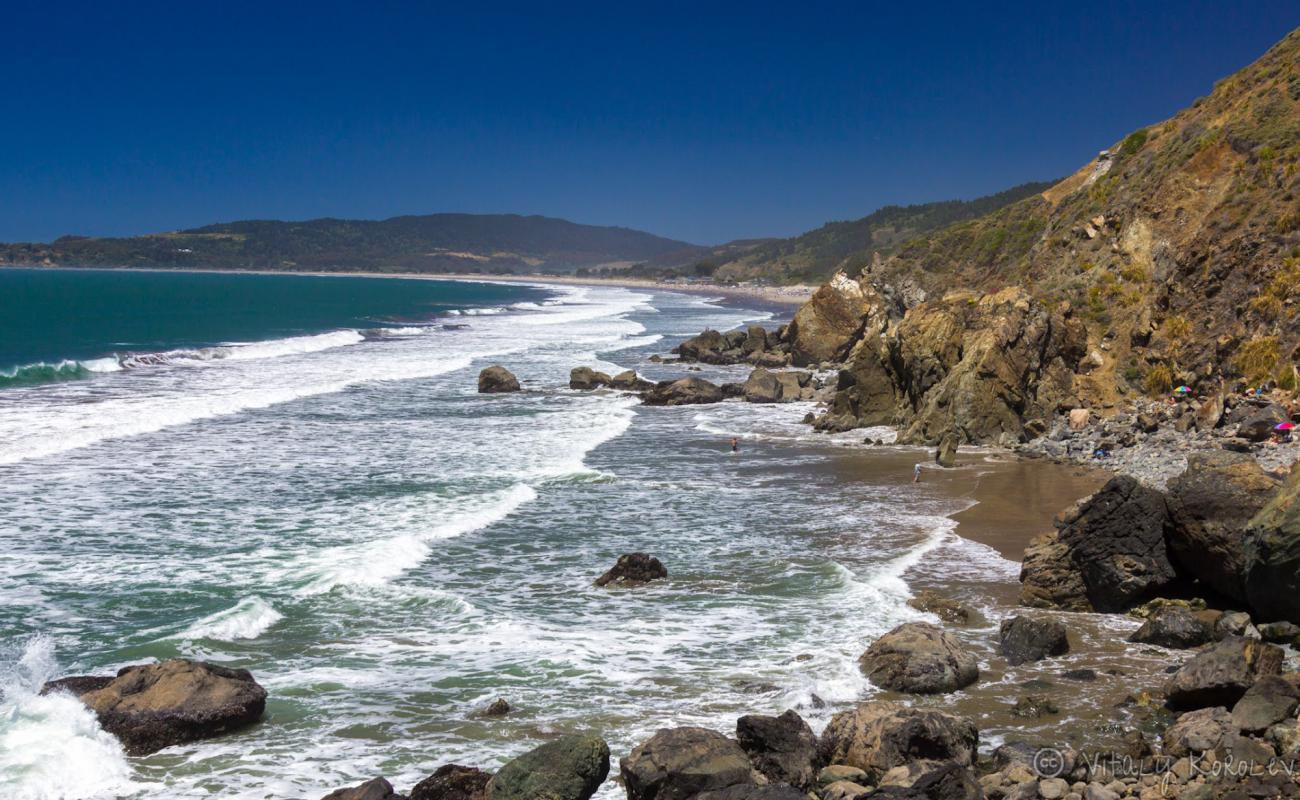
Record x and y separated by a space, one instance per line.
1173 257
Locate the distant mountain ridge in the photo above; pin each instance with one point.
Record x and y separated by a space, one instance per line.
430 243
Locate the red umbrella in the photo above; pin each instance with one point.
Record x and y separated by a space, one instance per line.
1284 426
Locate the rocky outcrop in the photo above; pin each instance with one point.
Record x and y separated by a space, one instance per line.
1176 627
1272 556
946 455
568 768
782 748
629 381
753 345
1220 675
153 706
680 763
1211 503
919 658
633 569
1270 700
1109 552
586 379
683 392
826 327
940 782
1025 639
373 789
765 386
877 736
496 379
453 782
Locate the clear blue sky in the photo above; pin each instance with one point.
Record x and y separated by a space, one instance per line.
700 121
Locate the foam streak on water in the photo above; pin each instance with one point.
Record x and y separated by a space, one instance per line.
387 550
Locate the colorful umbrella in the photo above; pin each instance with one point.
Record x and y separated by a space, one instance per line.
1182 390
1284 426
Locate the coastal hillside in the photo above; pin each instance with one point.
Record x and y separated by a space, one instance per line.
852 245
1171 258
465 243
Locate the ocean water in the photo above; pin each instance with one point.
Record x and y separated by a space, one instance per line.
340 512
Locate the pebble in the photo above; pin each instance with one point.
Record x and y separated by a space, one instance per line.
1052 789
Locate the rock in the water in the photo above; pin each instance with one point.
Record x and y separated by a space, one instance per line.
373 789
1211 504
946 455
1220 675
497 708
919 658
782 748
586 379
1033 706
877 736
683 392
453 782
497 378
153 706
1025 639
762 386
1269 701
629 381
1109 548
633 569
568 768
680 763
1176 627
944 608
1272 556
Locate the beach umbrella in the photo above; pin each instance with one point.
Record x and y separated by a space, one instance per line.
1182 390
1284 426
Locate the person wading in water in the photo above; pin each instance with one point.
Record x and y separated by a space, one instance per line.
735 445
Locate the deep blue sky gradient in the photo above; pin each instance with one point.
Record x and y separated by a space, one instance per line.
700 121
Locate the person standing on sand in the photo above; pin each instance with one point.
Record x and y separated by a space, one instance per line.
916 473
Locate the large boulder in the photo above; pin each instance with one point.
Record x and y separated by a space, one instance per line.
633 569
683 392
568 768
762 386
680 763
919 658
1175 627
1272 556
946 455
152 706
936 782
708 342
1197 732
586 379
629 381
1221 674
1108 554
1211 504
1025 639
824 328
453 782
783 748
1270 700
373 789
877 736
496 379
1259 424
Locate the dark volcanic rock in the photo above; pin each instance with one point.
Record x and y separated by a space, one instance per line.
1220 675
633 569
680 763
877 736
586 378
1108 554
1024 639
683 392
373 789
1211 503
944 782
569 768
153 706
1272 556
453 782
496 379
782 748
919 658
1176 627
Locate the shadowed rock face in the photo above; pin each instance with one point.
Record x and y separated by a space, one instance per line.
1211 504
919 658
1175 627
1025 639
1109 552
1220 675
453 782
782 748
153 706
1272 556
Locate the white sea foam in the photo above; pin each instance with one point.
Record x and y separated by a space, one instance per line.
247 619
294 345
51 746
